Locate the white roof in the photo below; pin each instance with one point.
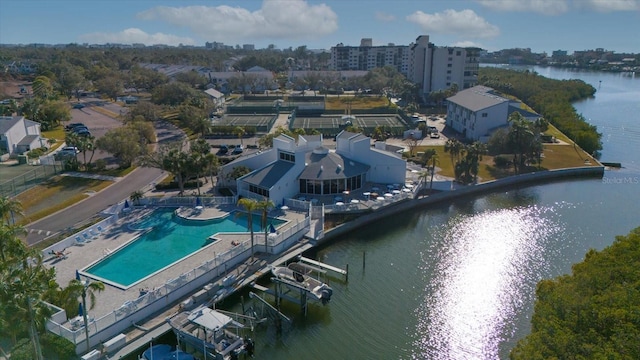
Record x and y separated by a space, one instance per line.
214 93
209 319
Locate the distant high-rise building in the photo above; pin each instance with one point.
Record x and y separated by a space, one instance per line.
366 42
559 54
432 68
368 57
248 47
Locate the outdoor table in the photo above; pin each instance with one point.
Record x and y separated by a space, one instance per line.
355 201
396 192
388 195
380 198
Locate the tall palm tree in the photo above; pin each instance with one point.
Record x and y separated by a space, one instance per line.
434 161
9 208
240 131
265 206
250 205
25 282
85 288
455 148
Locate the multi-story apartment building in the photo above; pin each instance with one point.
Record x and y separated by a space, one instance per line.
432 68
367 57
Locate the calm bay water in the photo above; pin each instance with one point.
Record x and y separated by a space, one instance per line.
457 281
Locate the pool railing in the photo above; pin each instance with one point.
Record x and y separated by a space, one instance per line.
173 290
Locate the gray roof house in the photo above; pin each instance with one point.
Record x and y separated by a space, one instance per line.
215 96
19 135
307 168
478 111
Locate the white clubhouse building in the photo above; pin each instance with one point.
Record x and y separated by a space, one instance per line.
307 168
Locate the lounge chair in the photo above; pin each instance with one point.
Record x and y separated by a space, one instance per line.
100 229
94 233
86 237
80 240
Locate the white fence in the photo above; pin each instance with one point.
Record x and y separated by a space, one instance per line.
176 289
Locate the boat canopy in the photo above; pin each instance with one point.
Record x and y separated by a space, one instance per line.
211 319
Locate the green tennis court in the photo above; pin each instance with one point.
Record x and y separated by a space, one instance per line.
337 121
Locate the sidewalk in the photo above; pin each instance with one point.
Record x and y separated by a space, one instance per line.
92 176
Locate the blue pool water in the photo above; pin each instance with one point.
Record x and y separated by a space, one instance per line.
170 239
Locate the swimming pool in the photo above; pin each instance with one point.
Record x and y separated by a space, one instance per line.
168 239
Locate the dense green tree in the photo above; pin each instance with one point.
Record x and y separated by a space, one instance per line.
551 98
123 144
173 94
52 113
42 88
592 313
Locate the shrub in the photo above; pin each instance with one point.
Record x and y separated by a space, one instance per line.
501 161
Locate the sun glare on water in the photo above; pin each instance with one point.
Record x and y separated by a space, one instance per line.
482 274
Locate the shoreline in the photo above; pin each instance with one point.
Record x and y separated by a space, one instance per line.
528 179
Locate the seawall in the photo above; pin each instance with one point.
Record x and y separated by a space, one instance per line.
535 178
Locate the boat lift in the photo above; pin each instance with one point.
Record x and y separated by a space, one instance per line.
281 292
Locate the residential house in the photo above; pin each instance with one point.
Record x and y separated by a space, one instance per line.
477 112
19 135
307 168
215 96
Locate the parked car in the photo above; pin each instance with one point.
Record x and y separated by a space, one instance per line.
238 149
434 134
64 154
71 149
223 150
432 129
74 125
78 106
82 132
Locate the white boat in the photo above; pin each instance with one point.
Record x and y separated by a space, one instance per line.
211 331
297 276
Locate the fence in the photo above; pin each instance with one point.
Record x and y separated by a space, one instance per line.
173 290
27 180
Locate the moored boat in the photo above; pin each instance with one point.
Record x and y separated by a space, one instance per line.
296 275
210 331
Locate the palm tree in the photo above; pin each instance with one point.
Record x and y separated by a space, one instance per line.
265 206
240 131
250 205
9 208
87 288
136 196
25 281
434 161
454 147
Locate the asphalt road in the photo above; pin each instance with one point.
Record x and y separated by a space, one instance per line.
87 208
138 179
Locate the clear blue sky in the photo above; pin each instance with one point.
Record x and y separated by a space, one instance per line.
542 25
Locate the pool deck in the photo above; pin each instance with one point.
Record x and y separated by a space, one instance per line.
80 256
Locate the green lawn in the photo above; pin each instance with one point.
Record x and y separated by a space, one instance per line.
555 157
357 102
553 131
56 194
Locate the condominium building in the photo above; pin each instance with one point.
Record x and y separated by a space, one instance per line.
367 57
432 68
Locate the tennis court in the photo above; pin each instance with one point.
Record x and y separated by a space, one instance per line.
337 122
261 122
